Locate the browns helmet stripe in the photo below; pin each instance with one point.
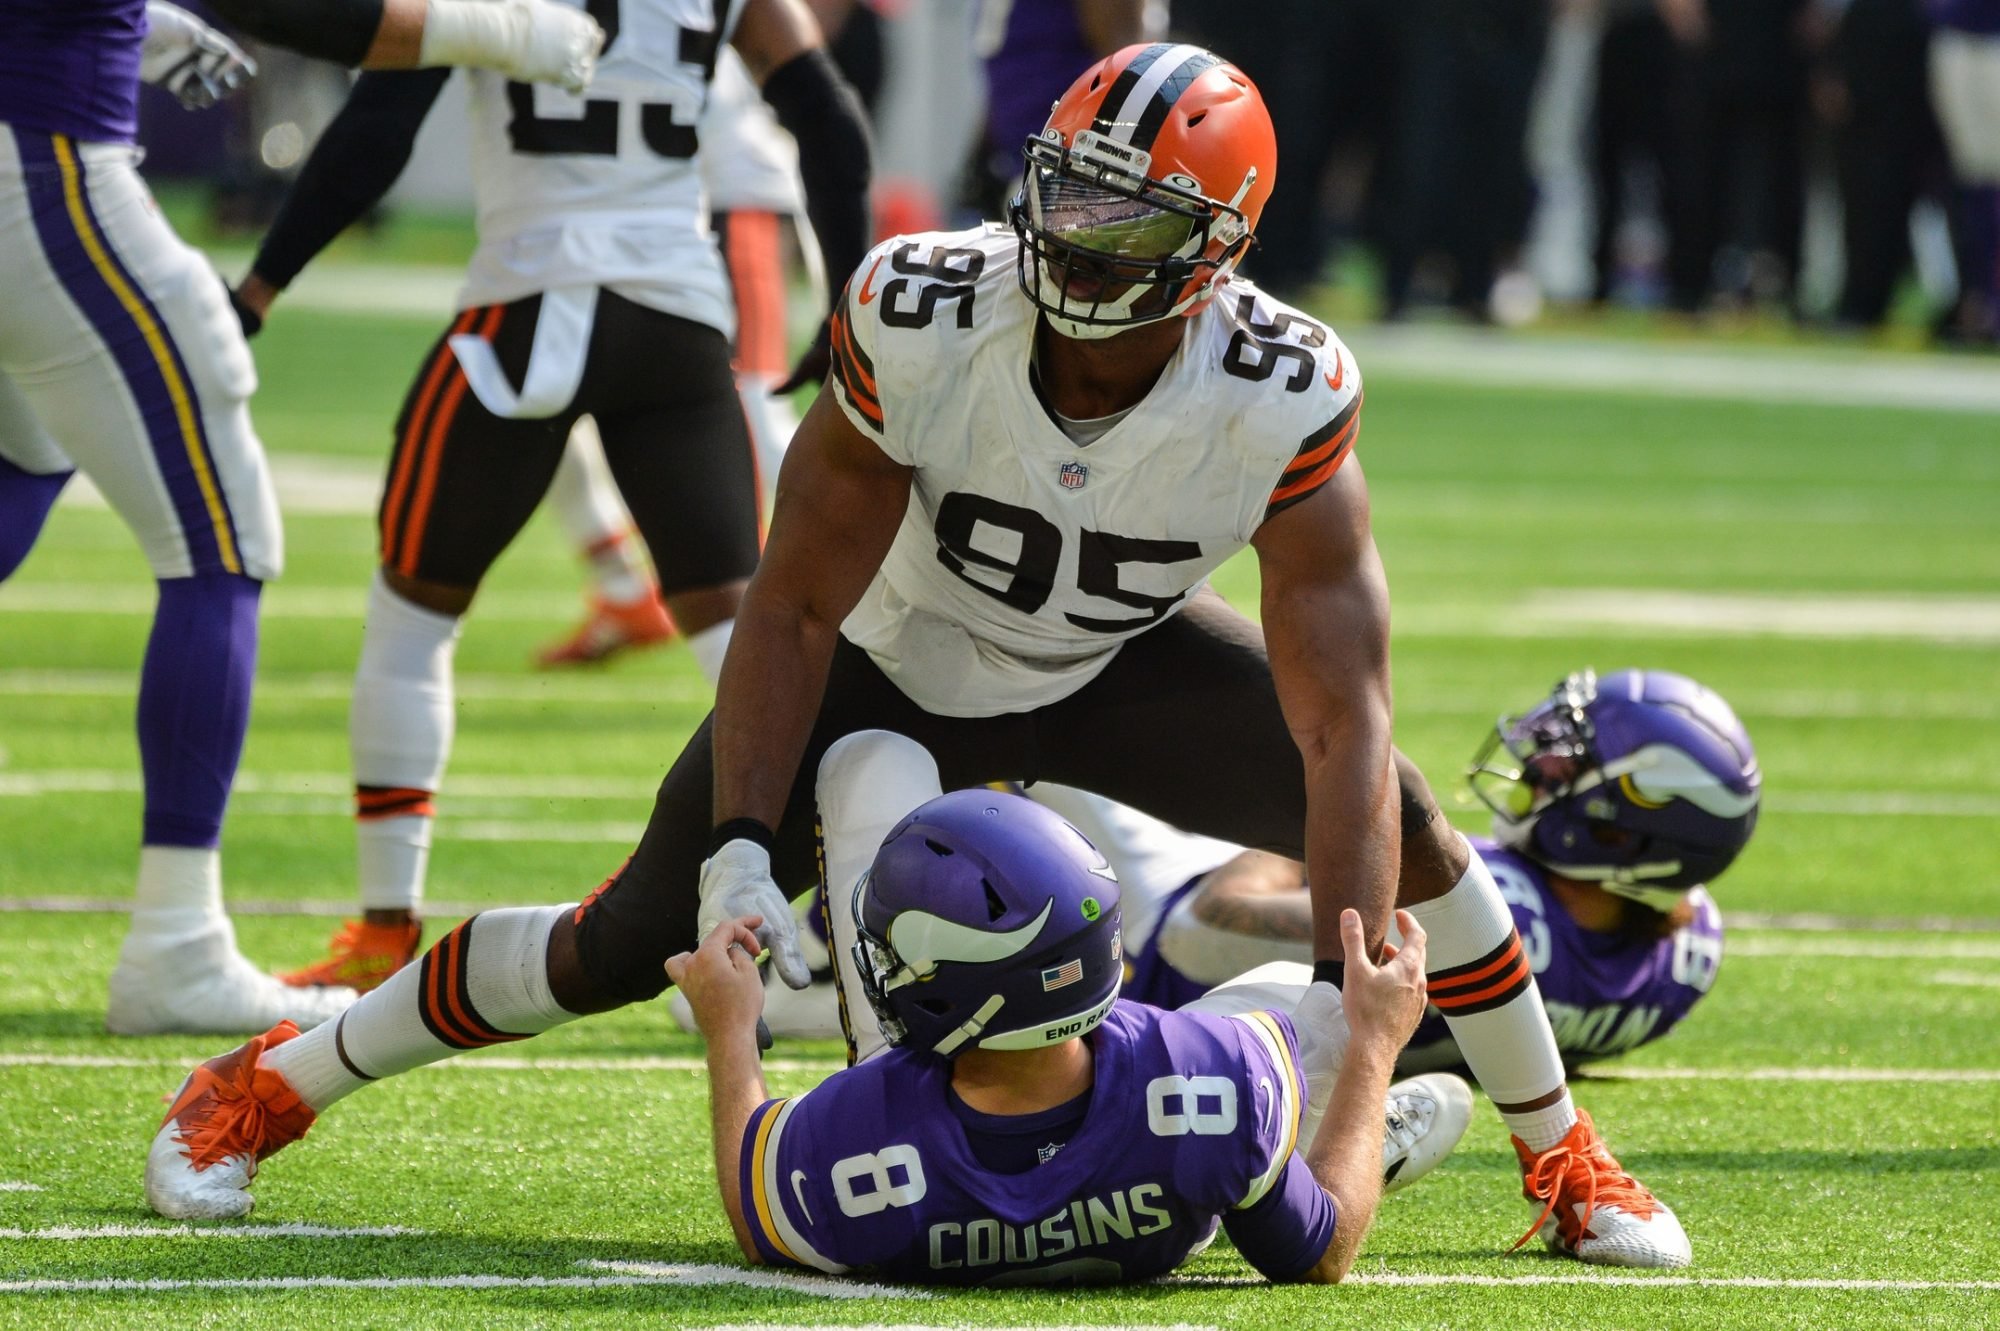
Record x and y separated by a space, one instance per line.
1137 102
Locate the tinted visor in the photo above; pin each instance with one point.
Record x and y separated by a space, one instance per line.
1105 221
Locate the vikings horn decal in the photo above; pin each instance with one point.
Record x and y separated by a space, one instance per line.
922 939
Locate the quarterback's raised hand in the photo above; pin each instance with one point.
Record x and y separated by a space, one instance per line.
720 978
736 882
1383 1002
189 59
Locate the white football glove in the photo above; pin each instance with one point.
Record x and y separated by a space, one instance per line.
530 40
189 59
736 881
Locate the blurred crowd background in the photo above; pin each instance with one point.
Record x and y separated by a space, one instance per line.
1829 163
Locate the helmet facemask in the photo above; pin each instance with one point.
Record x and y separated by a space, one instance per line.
1106 247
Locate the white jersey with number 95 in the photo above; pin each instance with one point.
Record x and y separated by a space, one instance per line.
1024 558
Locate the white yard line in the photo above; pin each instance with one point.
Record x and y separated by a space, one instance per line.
613 690
643 1273
1726 371
1946 948
19 1185
307 484
73 1234
1678 1282
536 791
1963 979
1849 1076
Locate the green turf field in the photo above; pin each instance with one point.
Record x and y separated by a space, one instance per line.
1827 1124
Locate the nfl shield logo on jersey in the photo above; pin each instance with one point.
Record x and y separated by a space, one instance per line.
1072 475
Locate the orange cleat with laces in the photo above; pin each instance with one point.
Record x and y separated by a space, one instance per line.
1591 1209
227 1116
362 956
610 629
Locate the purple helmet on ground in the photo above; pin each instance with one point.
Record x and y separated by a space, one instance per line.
986 919
1643 781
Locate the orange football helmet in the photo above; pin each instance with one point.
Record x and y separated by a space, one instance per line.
1141 194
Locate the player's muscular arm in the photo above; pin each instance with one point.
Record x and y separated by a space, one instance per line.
840 500
1326 621
1257 893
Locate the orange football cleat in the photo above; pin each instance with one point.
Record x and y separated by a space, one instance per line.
229 1114
362 956
610 629
1591 1209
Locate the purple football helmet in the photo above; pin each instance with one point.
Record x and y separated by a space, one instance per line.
986 919
1643 781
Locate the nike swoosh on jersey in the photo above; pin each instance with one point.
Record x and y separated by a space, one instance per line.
868 283
798 1177
1339 375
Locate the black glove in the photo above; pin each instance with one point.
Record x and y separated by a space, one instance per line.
814 364
253 322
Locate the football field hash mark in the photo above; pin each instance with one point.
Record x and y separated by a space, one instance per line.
18 1185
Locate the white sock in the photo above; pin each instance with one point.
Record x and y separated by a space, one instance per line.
179 891
417 1017
867 782
586 502
710 646
1481 980
399 733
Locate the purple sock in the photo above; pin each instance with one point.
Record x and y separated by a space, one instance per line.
25 501
194 704
1979 214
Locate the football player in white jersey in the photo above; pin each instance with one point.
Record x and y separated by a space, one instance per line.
595 289
749 167
991 536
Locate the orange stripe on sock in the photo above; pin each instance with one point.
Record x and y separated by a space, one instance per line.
1506 958
481 1033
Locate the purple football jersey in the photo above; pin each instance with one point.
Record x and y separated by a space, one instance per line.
1192 1117
1605 993
72 67
1041 52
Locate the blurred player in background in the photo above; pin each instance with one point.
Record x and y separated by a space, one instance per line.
1023 1125
594 289
749 169
1032 50
1965 86
118 356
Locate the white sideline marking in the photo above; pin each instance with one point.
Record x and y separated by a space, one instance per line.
1681 1282
71 1234
18 1185
614 1275
282 600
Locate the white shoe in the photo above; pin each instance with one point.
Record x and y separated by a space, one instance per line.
1425 1117
199 984
1589 1208
228 1115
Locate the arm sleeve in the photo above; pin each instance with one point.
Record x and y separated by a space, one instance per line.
1286 1233
1320 453
820 110
351 168
786 1206
336 30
